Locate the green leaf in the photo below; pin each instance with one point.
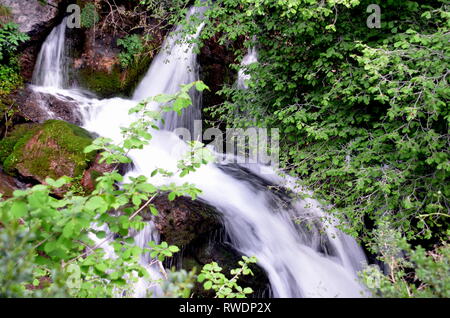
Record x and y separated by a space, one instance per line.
96 204
201 278
153 210
19 209
207 285
101 267
171 196
200 86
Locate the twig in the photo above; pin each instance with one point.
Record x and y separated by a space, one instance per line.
142 207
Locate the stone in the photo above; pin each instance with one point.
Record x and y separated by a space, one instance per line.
31 16
52 149
39 107
196 227
182 220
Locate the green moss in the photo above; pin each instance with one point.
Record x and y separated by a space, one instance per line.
7 144
135 72
117 82
102 83
52 149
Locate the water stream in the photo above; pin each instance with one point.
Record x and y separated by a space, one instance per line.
300 261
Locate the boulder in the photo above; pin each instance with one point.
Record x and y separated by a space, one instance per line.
39 107
182 220
52 149
196 227
32 16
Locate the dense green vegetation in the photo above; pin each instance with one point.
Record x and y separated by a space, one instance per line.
10 39
10 78
53 149
43 240
363 115
363 112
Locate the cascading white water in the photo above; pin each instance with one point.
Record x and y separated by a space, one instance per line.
51 64
249 58
299 261
176 64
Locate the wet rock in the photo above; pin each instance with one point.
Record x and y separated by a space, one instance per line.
32 16
215 60
52 149
196 227
96 170
39 107
182 220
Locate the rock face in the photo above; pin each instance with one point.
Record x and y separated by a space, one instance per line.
52 149
37 21
39 107
197 228
32 16
96 61
215 71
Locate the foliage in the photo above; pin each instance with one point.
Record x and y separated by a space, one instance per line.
9 78
132 47
178 284
169 10
54 247
89 16
212 278
363 113
10 39
412 272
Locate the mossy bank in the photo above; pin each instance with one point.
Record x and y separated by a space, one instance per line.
52 149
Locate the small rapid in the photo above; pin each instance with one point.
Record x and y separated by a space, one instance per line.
302 255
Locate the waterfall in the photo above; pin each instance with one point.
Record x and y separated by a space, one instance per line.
249 58
175 65
51 64
310 259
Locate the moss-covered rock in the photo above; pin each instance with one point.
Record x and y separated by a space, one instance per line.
96 62
116 81
102 83
52 149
